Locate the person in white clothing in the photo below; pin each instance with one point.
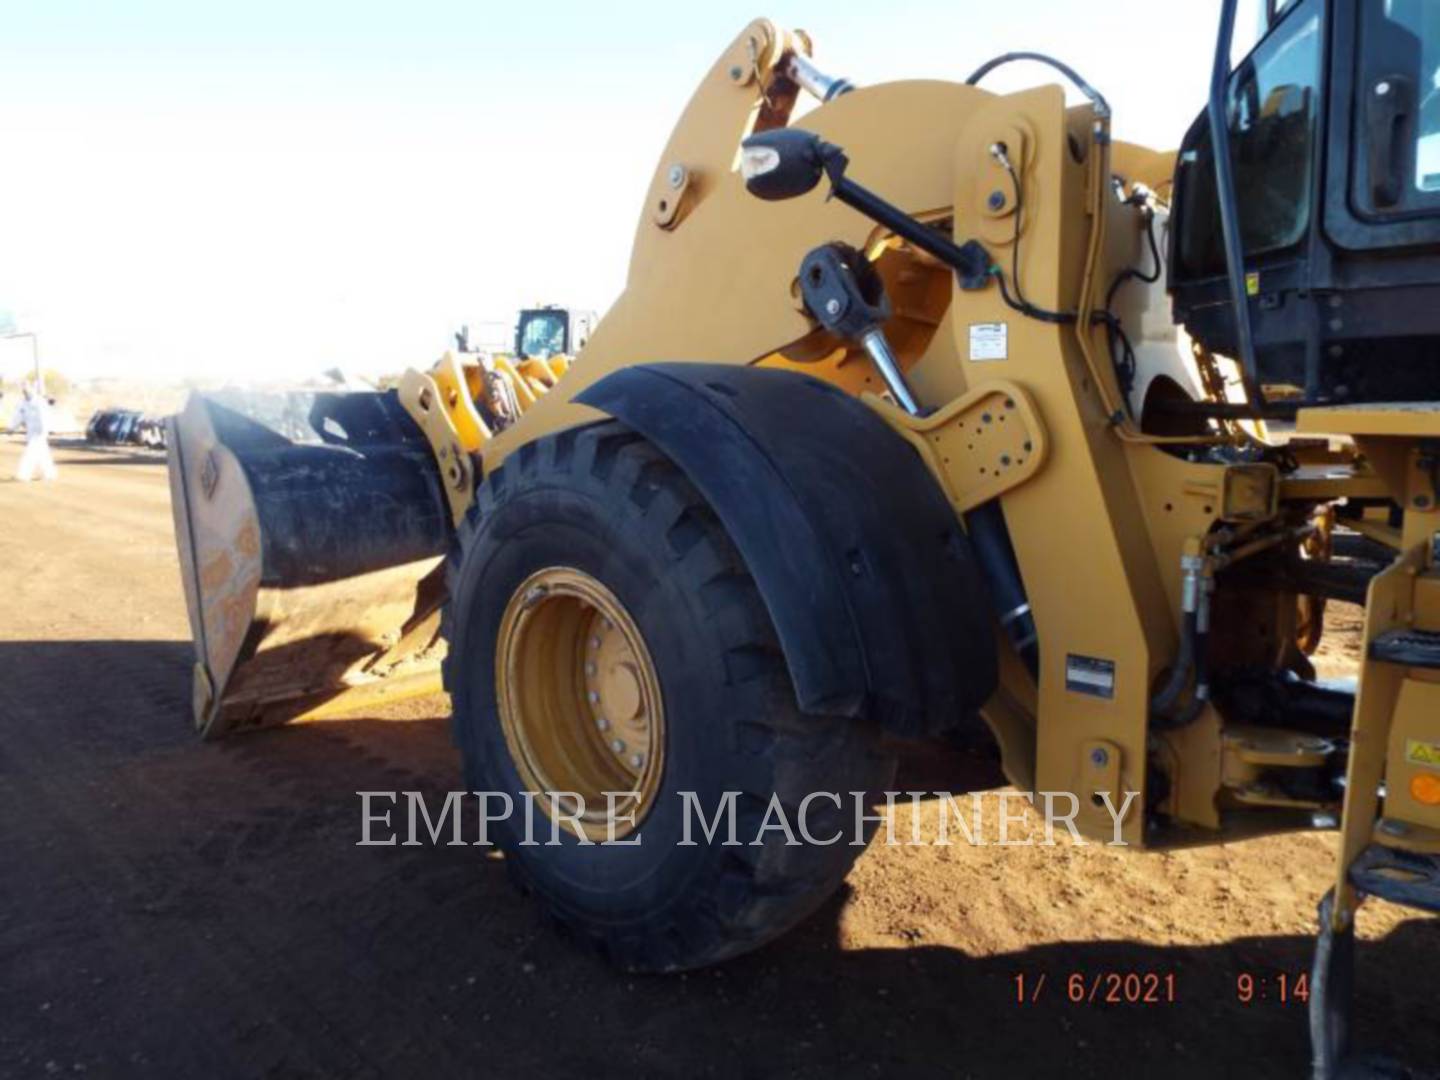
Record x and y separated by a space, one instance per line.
36 457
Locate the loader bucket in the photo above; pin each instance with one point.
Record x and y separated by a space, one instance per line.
310 528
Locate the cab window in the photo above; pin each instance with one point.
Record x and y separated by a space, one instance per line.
543 336
1272 109
1398 114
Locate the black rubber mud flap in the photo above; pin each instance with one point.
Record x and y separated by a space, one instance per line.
864 568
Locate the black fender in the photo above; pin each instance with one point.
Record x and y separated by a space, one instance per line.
875 593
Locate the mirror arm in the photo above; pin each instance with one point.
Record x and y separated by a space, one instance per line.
970 261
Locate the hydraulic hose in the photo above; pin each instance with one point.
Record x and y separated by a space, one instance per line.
1193 657
1164 700
1102 107
990 538
1191 712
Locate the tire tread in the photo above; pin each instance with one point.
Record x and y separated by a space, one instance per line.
753 893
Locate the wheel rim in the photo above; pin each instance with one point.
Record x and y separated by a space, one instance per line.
580 702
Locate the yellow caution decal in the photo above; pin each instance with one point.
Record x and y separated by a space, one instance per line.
1422 753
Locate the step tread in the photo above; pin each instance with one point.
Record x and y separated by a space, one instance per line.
1412 648
1402 877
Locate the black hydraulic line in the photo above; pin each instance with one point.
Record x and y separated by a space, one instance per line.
1132 274
1019 303
990 537
1166 697
1102 107
1191 712
1024 307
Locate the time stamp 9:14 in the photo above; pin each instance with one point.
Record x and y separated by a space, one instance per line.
1153 987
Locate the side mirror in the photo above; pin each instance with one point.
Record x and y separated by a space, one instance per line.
784 162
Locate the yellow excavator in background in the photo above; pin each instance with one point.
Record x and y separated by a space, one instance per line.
1021 423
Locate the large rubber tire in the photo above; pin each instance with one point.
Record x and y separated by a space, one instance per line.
602 500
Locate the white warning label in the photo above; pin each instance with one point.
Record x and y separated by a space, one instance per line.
989 341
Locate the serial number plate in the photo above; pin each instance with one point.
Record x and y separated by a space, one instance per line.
1090 675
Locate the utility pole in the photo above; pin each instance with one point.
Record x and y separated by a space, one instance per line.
34 356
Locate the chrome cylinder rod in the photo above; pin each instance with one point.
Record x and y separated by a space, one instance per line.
814 81
879 350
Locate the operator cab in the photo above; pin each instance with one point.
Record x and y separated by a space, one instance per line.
552 331
1334 132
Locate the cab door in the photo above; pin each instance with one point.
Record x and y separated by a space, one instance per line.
1385 191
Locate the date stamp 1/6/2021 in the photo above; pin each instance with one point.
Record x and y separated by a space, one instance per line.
1098 987
1151 987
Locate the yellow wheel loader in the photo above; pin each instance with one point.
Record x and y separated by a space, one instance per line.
929 404
546 339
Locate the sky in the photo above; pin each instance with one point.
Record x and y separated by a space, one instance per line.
211 189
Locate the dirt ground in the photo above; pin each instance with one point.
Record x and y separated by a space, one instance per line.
169 907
